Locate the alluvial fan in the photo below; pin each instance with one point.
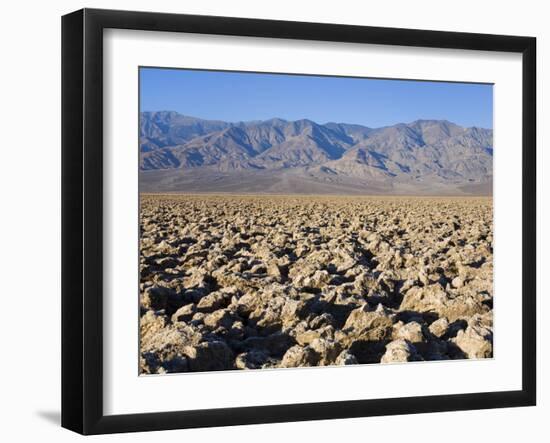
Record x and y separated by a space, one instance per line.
250 282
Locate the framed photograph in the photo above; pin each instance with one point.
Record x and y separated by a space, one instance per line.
269 221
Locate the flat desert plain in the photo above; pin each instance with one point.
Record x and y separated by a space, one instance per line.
264 281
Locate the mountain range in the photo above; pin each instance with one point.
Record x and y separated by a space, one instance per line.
186 154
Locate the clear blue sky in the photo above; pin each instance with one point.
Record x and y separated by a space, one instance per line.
236 97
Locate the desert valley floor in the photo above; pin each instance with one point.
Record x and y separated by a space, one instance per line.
248 282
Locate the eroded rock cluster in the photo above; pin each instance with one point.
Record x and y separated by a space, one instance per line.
248 282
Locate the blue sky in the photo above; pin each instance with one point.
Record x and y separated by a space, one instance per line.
232 97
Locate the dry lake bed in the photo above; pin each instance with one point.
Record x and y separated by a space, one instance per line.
250 282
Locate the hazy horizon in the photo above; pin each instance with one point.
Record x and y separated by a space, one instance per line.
322 123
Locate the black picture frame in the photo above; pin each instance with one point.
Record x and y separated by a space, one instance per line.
82 218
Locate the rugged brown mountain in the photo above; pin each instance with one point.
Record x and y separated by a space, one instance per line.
425 156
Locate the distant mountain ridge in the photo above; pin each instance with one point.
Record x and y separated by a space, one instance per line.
183 153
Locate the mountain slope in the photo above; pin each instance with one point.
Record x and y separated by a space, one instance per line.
276 154
168 128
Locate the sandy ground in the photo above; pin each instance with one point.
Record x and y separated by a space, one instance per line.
249 282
